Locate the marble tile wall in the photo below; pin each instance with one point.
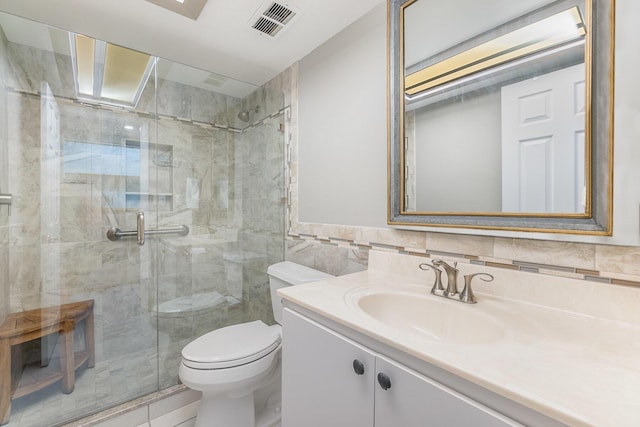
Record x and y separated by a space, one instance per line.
4 179
339 249
238 228
263 206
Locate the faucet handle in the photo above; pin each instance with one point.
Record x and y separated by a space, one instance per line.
467 293
441 262
437 284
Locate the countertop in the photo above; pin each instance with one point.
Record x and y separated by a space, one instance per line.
575 368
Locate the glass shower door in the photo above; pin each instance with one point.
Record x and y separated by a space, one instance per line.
226 140
77 318
192 151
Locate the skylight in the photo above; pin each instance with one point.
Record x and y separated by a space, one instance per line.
107 73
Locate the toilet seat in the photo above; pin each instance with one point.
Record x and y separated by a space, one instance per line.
232 346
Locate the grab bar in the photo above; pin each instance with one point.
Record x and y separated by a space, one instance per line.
114 233
140 229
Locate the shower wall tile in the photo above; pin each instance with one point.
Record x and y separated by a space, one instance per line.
261 167
81 267
267 100
201 168
62 82
24 276
271 97
173 99
286 84
126 322
30 66
223 208
147 102
208 106
5 232
4 273
82 214
5 65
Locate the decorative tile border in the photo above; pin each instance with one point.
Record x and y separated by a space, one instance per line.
530 267
146 115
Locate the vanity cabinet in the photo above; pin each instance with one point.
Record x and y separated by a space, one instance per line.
330 380
320 386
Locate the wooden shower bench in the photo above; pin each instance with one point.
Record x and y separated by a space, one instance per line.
25 326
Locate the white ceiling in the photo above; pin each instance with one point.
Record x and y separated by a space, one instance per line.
221 40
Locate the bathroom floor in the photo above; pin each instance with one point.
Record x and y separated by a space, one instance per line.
109 383
130 364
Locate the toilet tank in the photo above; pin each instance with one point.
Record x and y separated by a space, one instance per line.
289 273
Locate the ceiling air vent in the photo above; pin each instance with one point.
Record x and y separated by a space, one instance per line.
272 17
215 80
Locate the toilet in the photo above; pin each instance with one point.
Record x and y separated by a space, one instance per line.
237 368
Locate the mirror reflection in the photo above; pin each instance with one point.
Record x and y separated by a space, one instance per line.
495 113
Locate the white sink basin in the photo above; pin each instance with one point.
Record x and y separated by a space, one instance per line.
429 316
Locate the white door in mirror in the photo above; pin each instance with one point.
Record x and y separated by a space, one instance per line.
543 144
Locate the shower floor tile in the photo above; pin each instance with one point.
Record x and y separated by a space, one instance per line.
109 383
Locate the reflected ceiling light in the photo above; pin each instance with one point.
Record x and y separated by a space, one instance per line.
490 71
547 33
108 74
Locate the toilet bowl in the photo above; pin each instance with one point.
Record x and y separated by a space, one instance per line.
237 368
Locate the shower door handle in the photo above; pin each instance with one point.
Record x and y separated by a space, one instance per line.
140 228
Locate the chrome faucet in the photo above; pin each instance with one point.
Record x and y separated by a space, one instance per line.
452 276
466 295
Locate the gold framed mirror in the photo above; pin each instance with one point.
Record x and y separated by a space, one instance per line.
500 115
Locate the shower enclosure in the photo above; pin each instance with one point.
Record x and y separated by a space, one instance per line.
193 159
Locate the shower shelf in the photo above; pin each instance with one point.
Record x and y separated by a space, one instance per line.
135 193
154 188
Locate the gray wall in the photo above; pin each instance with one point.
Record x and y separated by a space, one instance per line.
343 126
342 144
458 148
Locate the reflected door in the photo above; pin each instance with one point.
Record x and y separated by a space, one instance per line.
543 144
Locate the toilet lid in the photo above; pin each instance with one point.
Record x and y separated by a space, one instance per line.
231 346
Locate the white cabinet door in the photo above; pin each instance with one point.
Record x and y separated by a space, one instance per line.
320 387
413 400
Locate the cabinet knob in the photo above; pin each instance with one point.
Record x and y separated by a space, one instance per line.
358 367
384 381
